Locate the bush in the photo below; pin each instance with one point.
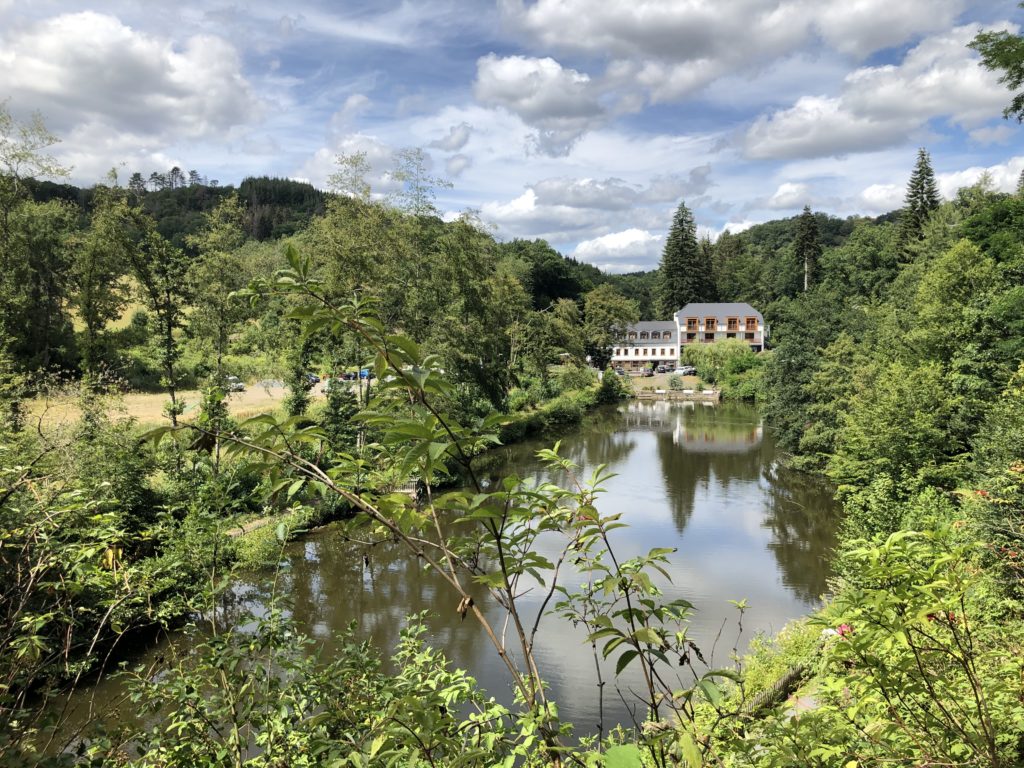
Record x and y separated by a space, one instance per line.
612 388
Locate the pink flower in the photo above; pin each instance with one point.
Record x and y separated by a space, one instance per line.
844 630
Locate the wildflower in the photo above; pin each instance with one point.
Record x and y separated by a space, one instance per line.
844 630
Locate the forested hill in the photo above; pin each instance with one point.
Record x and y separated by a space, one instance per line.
275 207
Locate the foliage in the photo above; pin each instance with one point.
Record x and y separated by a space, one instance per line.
714 361
922 198
606 315
1003 52
685 270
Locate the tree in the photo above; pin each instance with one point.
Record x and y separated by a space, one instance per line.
22 156
922 198
1004 52
215 274
137 184
159 269
808 246
606 315
682 269
100 261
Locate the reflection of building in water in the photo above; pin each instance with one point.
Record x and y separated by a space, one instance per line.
697 427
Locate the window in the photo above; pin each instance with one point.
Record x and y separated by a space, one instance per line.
631 336
691 323
732 324
749 336
751 323
691 336
709 337
643 334
730 335
615 352
655 335
666 335
636 351
710 323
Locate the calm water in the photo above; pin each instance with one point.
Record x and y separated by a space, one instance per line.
703 479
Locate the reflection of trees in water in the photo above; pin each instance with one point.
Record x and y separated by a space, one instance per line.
602 440
329 585
803 520
696 444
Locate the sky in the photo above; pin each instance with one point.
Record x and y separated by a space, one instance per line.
583 122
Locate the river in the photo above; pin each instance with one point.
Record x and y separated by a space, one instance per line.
704 479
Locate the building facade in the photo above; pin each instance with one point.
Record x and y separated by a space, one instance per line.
647 344
659 342
707 323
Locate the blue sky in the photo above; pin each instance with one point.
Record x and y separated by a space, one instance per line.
584 122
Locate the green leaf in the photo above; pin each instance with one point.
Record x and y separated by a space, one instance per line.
711 691
691 752
623 756
624 660
647 635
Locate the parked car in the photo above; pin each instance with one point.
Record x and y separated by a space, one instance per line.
311 378
366 373
661 369
621 371
234 384
648 372
685 370
348 376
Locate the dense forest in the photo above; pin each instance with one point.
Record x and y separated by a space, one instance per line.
895 370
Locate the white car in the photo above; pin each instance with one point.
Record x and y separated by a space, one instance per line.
234 384
685 370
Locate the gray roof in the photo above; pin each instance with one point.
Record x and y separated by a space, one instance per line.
724 309
653 325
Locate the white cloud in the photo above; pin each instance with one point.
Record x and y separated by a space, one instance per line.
994 134
630 250
610 194
1003 176
90 68
863 26
560 104
674 48
458 136
456 164
881 198
355 105
886 105
789 195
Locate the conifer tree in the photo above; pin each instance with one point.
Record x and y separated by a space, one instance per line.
1020 185
682 271
807 245
922 198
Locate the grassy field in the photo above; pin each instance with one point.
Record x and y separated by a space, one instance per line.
147 408
660 381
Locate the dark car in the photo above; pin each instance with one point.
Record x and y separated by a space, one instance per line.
348 376
661 369
311 378
621 371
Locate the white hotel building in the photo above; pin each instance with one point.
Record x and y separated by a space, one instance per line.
661 342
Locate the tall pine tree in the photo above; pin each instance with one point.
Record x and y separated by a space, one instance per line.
684 274
807 245
922 198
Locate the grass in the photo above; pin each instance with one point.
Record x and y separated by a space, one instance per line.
148 408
